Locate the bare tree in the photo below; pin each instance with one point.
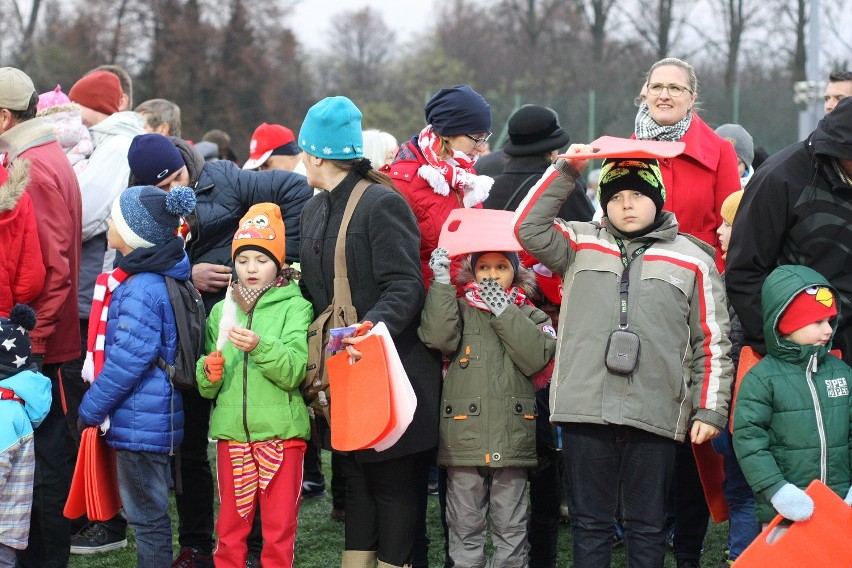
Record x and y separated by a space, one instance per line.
739 14
596 13
660 25
26 26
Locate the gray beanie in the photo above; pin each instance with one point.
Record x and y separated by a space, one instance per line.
741 139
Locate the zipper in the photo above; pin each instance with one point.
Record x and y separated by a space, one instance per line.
823 451
245 381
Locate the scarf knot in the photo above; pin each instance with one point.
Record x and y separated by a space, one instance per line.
455 172
646 128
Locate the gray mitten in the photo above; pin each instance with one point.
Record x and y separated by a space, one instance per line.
792 503
440 265
493 295
849 497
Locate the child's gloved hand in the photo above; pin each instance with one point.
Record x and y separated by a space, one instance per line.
214 365
493 295
849 497
440 265
792 503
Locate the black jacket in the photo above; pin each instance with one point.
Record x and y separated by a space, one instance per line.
383 265
796 210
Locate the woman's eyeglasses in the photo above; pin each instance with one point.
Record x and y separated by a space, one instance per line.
477 142
673 89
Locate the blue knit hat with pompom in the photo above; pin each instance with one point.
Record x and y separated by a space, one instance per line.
146 216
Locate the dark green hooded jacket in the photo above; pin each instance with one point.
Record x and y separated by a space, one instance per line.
792 418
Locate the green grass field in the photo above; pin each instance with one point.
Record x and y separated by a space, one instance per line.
319 541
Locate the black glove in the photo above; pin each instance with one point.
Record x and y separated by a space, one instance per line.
493 295
81 426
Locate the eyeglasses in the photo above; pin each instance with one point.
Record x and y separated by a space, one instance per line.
673 89
477 142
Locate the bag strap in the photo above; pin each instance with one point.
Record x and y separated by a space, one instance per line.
518 190
624 283
342 293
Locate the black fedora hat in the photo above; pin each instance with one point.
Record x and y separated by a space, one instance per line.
534 130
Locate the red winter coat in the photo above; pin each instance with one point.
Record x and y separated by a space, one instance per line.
21 268
698 181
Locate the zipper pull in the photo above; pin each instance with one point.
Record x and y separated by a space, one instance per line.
812 364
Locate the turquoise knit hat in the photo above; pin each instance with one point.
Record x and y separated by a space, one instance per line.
332 130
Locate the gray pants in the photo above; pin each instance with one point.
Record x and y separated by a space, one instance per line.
471 493
7 556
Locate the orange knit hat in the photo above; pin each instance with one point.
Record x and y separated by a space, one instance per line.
262 229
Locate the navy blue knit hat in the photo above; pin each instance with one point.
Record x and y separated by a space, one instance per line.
15 345
458 110
146 216
153 158
332 130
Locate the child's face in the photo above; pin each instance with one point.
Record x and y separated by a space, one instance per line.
255 270
115 241
817 333
630 211
724 232
494 265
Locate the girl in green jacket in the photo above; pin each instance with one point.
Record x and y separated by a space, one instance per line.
257 339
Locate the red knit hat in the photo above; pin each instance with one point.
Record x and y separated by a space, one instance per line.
100 91
810 305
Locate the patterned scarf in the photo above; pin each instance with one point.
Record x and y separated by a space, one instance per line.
253 465
456 172
471 293
646 127
247 298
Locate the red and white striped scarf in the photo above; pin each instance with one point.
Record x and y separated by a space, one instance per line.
253 465
471 293
104 286
456 172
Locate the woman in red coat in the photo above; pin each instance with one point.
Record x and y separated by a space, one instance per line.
698 180
434 170
21 266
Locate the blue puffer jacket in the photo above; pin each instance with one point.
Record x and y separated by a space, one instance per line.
146 413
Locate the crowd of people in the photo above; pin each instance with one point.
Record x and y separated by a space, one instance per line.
594 368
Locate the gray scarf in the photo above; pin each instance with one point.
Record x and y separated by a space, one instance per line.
647 128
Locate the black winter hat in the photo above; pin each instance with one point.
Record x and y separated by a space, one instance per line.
15 345
534 130
637 174
458 110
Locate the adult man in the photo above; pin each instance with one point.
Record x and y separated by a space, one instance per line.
161 116
224 193
99 94
273 147
56 196
839 86
125 101
797 210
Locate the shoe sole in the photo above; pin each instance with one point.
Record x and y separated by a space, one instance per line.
312 495
98 549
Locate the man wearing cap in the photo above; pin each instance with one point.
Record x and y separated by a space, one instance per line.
273 147
535 138
797 209
55 194
223 194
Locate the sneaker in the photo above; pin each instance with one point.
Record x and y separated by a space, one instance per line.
192 558
313 489
253 561
96 538
338 515
670 534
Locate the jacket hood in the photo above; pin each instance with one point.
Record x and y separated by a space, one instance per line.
778 290
34 389
13 189
169 259
124 123
524 279
833 134
192 157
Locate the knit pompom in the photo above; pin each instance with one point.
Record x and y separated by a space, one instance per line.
24 316
180 201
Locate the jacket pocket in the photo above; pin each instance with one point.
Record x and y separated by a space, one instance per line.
522 423
461 428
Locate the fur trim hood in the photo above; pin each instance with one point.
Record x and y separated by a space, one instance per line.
12 190
524 279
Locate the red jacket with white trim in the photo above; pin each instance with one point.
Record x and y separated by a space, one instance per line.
676 304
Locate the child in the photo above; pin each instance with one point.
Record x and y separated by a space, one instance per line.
257 337
642 350
132 324
24 402
743 527
496 340
791 424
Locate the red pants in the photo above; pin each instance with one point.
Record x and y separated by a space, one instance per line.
278 512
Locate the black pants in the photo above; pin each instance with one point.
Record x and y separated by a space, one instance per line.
384 503
50 533
195 501
545 499
690 506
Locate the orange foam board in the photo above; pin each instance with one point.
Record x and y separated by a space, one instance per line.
473 230
614 147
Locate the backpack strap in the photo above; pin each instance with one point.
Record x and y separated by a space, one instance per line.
518 190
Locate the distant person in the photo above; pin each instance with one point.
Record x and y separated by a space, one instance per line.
125 101
65 117
592 180
379 147
273 147
161 116
743 146
760 156
223 140
839 87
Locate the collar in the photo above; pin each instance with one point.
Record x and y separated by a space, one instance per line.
25 135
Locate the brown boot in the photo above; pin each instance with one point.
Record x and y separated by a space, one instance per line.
358 559
386 565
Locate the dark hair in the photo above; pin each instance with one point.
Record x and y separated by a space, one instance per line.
361 165
161 111
30 112
123 79
839 75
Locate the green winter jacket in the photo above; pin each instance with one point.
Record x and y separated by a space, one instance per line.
488 402
258 397
792 419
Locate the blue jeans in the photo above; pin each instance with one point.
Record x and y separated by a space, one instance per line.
143 482
609 462
743 524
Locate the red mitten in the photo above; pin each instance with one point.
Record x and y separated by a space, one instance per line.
214 365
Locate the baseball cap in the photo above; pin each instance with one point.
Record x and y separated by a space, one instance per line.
16 89
268 140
